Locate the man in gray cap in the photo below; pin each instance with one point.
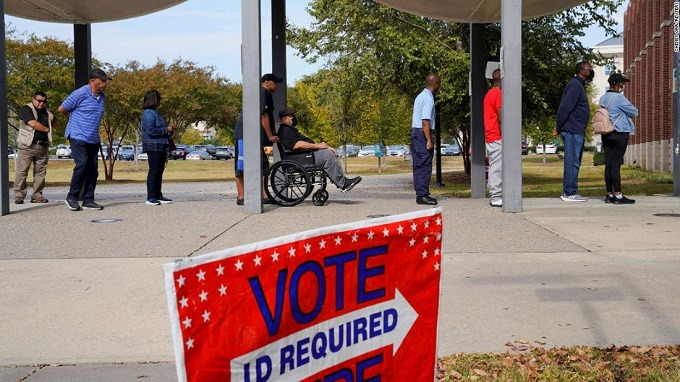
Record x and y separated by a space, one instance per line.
324 156
85 107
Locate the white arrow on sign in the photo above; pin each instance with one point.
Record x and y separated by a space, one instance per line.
406 317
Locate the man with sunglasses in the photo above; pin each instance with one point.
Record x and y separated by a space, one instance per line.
34 137
85 107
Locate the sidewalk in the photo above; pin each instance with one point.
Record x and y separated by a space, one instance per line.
90 295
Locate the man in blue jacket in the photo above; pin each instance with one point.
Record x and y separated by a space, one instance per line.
572 118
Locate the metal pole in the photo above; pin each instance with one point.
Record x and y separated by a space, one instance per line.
82 47
511 70
251 62
676 98
438 142
279 59
4 163
477 91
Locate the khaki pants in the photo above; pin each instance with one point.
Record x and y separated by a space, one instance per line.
38 155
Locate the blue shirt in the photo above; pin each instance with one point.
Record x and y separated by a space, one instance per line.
86 115
574 112
423 108
620 111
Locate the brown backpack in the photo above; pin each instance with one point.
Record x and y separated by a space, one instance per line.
602 124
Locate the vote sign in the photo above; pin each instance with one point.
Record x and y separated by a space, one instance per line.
354 302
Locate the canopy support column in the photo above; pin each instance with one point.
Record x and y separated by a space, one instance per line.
4 162
478 89
82 47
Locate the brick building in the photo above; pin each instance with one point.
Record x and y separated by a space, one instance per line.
648 62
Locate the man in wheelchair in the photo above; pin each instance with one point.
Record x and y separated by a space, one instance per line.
324 156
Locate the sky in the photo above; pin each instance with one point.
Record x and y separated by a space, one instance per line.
207 32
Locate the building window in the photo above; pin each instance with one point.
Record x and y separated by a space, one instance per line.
609 68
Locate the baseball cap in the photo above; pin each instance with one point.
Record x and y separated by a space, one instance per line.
271 77
617 78
98 73
286 112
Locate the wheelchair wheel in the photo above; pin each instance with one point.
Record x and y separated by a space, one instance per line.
320 197
287 183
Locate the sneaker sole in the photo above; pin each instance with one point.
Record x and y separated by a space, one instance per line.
93 208
71 208
573 200
148 203
165 202
350 187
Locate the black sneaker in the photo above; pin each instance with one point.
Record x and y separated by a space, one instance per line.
350 183
73 205
239 201
153 202
609 199
426 200
623 200
164 200
92 206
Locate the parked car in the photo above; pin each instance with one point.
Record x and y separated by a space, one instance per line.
450 150
126 152
550 148
598 146
180 152
398 151
352 151
525 148
141 155
103 152
367 151
209 148
63 151
10 153
224 152
199 155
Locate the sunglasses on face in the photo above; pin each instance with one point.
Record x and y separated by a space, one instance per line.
40 100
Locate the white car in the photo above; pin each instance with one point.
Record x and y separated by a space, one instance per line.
63 151
398 151
550 148
368 151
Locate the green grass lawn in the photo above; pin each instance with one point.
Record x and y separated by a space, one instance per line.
539 179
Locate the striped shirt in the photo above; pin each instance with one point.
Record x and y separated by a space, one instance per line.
86 114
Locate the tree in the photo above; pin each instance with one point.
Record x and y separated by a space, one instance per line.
192 137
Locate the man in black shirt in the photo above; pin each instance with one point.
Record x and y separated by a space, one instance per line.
34 137
324 156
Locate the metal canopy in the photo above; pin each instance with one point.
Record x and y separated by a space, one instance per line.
84 11
477 11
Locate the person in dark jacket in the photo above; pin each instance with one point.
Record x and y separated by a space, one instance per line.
572 119
156 143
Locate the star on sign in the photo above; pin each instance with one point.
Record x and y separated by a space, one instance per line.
424 254
436 251
257 260
184 302
206 316
439 221
190 343
427 224
203 296
308 248
239 265
187 322
201 275
180 280
386 232
412 242
426 239
414 226
439 237
322 244
275 256
436 266
400 229
338 240
355 237
370 235
291 252
220 270
223 290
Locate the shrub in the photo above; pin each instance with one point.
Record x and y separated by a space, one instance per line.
598 158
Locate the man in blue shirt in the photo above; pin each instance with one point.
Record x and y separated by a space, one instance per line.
85 107
572 118
422 148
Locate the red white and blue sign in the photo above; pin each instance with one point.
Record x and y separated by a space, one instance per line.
354 302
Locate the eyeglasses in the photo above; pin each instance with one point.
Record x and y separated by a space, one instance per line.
40 100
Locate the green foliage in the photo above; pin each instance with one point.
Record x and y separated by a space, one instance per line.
598 158
192 137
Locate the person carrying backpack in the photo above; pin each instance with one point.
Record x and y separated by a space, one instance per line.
621 111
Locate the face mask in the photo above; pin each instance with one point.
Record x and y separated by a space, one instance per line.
294 122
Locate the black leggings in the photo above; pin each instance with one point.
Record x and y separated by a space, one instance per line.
614 144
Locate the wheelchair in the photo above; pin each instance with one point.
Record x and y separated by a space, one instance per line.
292 179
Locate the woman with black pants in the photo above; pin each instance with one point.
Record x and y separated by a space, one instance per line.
155 142
621 112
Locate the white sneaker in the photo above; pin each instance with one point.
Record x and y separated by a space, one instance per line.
496 203
573 198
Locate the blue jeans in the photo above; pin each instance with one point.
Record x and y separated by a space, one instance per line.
422 163
573 153
85 171
154 179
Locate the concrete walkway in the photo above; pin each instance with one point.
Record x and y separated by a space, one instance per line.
88 297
